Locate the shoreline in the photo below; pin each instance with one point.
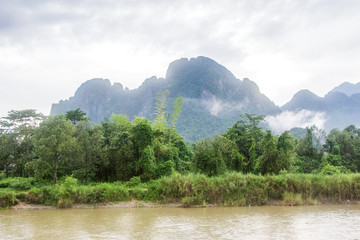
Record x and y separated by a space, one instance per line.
143 204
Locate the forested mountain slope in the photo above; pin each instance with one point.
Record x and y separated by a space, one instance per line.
214 98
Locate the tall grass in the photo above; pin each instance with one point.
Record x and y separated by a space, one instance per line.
236 189
7 198
230 189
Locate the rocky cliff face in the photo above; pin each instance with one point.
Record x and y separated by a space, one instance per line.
214 98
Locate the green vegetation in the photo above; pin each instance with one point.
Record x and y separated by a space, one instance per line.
62 160
230 189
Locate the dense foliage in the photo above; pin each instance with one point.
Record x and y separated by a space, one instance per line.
118 149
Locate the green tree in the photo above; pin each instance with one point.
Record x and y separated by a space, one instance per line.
8 152
178 103
343 148
267 161
249 165
121 154
76 116
206 160
160 122
309 150
247 134
148 164
54 143
92 151
226 150
122 121
214 157
143 134
285 152
16 130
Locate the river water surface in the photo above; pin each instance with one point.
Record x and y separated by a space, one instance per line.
269 222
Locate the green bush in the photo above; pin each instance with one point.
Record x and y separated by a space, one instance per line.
35 196
7 198
106 192
292 199
138 192
330 170
17 183
22 196
134 181
236 189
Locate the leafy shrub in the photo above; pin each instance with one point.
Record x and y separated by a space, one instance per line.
134 181
330 170
66 192
138 192
292 199
187 201
22 196
17 183
107 192
35 196
7 198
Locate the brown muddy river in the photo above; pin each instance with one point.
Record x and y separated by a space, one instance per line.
269 222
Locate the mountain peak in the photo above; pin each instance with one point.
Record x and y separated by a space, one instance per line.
347 88
213 96
200 77
304 99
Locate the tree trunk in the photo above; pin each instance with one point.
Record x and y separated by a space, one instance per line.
55 170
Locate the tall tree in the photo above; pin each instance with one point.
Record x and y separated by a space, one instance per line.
17 129
76 116
267 160
160 122
119 139
285 149
247 134
178 103
54 143
309 150
92 152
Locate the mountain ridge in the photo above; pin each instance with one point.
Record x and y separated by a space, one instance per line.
340 109
347 88
214 97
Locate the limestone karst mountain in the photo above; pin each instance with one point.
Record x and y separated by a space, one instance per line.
214 98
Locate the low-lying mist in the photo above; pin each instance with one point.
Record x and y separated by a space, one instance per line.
287 120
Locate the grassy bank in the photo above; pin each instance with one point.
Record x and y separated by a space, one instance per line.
236 189
232 189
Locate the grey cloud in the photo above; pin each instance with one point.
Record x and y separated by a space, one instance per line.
187 26
318 36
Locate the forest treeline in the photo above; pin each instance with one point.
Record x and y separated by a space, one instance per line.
118 149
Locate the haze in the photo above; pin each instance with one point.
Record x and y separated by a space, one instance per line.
48 48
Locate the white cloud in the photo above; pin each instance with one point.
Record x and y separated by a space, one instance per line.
287 120
282 45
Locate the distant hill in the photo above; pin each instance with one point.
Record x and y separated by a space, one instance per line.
214 98
347 88
305 99
341 110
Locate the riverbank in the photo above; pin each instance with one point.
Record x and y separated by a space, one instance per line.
192 190
144 204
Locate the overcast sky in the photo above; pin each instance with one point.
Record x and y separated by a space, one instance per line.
48 48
